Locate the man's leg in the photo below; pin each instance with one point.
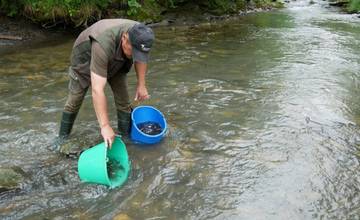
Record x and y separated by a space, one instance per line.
118 85
72 106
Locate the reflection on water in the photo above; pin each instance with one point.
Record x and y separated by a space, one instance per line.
263 116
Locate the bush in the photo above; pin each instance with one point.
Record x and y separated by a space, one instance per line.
85 12
354 6
11 7
79 12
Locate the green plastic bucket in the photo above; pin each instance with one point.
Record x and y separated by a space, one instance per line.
93 164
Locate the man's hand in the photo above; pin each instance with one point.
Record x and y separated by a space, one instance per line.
141 93
108 134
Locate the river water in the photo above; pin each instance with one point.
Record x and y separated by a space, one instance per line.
263 113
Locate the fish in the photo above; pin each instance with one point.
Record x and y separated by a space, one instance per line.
113 167
150 128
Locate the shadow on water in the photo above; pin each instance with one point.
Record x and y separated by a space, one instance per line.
263 115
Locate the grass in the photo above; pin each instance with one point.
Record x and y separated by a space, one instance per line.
354 6
84 12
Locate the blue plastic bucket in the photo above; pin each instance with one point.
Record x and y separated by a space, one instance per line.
143 114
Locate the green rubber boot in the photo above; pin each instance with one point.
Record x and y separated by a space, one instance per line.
66 125
124 119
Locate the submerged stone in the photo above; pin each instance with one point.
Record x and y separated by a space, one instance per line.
121 217
10 179
71 147
75 145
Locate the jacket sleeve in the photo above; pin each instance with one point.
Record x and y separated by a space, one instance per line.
99 60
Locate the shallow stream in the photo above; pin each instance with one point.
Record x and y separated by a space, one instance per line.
263 113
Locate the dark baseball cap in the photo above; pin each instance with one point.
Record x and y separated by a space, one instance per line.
141 38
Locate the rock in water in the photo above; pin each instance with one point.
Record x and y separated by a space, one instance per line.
9 179
121 217
75 145
150 128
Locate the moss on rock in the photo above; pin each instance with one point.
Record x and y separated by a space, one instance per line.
10 179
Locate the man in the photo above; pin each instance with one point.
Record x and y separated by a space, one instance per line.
102 53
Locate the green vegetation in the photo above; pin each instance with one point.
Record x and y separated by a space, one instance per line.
350 6
77 12
354 6
83 12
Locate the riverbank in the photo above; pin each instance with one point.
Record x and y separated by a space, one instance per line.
20 31
17 31
82 14
349 6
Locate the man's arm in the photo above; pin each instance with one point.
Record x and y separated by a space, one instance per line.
98 73
99 100
141 91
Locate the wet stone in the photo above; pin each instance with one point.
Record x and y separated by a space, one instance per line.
121 216
75 145
150 128
71 147
10 179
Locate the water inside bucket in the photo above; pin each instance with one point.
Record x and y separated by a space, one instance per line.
113 167
150 128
